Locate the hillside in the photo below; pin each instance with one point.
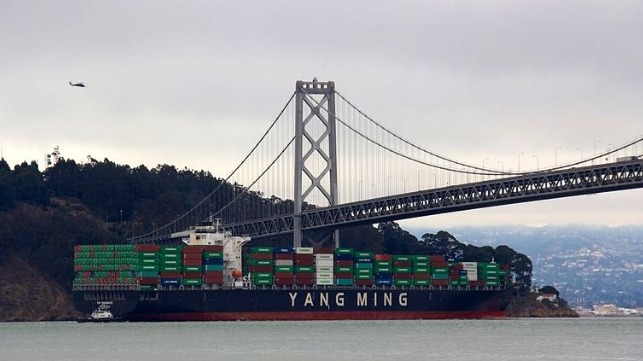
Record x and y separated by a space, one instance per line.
588 265
27 295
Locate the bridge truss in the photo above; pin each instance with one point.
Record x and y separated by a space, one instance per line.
519 189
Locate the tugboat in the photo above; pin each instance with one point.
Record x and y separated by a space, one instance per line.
100 315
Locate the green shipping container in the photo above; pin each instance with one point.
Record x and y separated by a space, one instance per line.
260 249
363 265
363 254
304 269
213 267
344 251
192 281
343 269
398 282
421 282
344 282
284 269
209 255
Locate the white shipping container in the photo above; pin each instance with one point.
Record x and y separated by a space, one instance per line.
324 275
322 269
323 256
324 282
472 276
324 263
304 250
283 262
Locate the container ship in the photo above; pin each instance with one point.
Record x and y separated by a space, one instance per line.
214 276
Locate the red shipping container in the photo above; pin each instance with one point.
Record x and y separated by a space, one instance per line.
323 251
192 249
304 281
170 274
213 274
383 257
286 256
420 276
192 275
261 256
402 276
147 247
344 275
343 263
305 276
212 248
192 255
192 262
304 262
440 282
363 282
148 280
285 281
213 280
264 269
284 275
304 256
402 264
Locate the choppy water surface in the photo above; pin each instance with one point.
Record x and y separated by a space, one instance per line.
516 339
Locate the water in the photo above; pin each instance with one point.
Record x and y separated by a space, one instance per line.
515 339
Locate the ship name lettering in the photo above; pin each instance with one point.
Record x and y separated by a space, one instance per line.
309 300
293 295
339 299
387 297
323 299
403 299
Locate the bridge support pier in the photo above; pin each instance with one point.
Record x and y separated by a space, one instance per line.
315 144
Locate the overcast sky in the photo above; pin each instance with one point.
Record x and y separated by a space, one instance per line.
467 79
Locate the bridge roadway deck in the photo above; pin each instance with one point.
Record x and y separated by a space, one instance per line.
519 189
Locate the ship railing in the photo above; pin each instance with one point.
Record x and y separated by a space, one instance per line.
106 287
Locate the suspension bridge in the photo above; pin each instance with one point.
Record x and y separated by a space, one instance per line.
323 164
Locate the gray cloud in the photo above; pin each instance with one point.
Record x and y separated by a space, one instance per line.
194 83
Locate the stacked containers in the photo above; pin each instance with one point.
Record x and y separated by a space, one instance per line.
455 273
304 266
213 265
439 270
170 266
343 262
489 273
324 267
421 270
504 275
383 268
260 265
148 265
402 270
192 265
471 268
284 266
363 268
105 264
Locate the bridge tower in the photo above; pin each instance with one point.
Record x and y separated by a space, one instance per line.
315 153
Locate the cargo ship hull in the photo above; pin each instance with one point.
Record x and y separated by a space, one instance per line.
298 304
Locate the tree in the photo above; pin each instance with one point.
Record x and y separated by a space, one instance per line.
445 244
7 187
30 185
395 239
